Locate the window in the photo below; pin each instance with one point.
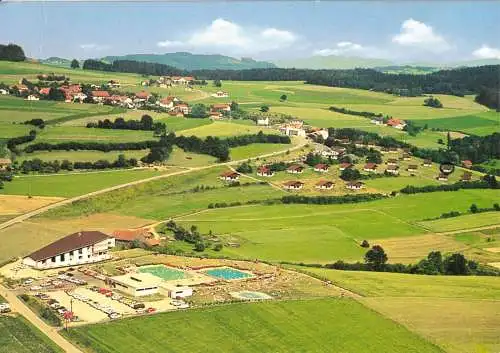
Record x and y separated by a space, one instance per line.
53 259
62 257
80 257
80 251
71 253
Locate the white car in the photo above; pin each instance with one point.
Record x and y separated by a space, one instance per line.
114 316
35 288
28 282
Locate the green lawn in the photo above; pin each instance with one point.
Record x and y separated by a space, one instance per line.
221 129
19 336
59 134
82 156
69 185
321 325
256 149
8 130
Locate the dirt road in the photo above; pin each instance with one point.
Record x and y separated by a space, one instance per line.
18 306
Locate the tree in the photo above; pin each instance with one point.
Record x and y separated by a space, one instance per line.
75 64
376 258
374 157
365 244
217 83
456 264
283 97
12 52
264 109
245 168
218 247
433 102
474 208
234 107
199 110
199 246
55 94
350 174
147 122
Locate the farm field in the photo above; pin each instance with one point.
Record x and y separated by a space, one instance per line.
74 184
8 130
82 155
461 222
180 158
59 134
326 233
256 149
19 336
222 129
483 123
267 326
467 306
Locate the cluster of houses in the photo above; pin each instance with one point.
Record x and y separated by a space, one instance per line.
392 122
169 81
219 110
293 128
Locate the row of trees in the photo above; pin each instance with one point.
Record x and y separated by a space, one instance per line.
139 67
11 52
95 146
487 182
330 200
146 123
358 113
39 166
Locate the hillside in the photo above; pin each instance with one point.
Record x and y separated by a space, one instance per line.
188 61
56 61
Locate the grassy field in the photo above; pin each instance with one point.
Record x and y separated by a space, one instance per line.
461 222
74 184
457 313
315 233
256 149
82 156
19 336
307 326
222 129
59 134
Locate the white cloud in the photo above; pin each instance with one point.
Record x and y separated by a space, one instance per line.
222 33
346 48
93 46
486 52
418 34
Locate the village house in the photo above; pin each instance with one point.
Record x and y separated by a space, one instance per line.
183 108
466 176
220 94
32 97
370 167
396 123
292 131
442 177
221 107
167 103
265 171
392 161
406 157
263 121
324 185
467 163
295 169
5 163
21 88
127 236
355 185
427 163
75 249
344 166
377 121
44 91
215 115
230 176
321 167
136 284
412 168
142 96
293 185
447 168
100 96
80 96
322 133
392 169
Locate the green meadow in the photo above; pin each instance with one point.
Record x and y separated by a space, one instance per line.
318 325
460 314
19 336
82 156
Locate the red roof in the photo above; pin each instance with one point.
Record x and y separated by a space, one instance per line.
102 94
295 167
293 183
167 100
142 95
130 234
394 122
345 165
370 166
229 174
45 90
324 183
321 166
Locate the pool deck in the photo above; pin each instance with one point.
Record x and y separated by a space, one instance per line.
249 273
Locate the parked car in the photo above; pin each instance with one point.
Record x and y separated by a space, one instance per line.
114 316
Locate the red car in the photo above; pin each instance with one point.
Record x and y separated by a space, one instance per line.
150 310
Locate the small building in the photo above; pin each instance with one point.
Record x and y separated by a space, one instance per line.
32 97
128 236
392 161
221 107
466 176
406 157
265 171
5 163
396 123
142 96
75 249
344 166
293 185
355 185
295 169
442 177
113 83
447 168
136 284
412 168
167 103
324 185
323 133
377 121
183 108
321 167
44 91
370 167
176 292
467 163
100 96
263 122
230 176
79 96
292 131
220 94
392 169
427 163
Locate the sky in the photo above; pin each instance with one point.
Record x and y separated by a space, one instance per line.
402 32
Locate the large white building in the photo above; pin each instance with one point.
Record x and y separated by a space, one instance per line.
75 249
136 284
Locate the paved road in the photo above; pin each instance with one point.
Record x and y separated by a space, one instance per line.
41 210
18 306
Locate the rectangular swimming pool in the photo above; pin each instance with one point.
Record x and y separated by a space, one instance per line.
164 272
227 273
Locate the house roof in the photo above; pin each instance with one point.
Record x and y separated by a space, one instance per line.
392 167
70 242
467 162
355 184
345 165
45 90
324 183
5 161
394 122
229 174
392 160
427 161
293 183
321 166
130 234
295 167
142 95
102 94
263 168
370 166
442 176
412 166
167 100
220 106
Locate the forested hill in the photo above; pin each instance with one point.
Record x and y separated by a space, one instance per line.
188 61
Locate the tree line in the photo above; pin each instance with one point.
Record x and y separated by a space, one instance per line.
11 52
139 67
37 165
330 200
95 146
146 124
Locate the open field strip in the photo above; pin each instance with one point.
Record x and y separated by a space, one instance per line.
59 134
462 222
223 129
82 155
14 204
307 325
467 305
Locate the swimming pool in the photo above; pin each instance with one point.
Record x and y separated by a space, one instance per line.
227 273
247 295
164 272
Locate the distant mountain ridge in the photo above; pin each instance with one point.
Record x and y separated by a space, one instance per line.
56 61
188 61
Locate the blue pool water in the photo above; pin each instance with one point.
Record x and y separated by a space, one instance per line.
227 273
